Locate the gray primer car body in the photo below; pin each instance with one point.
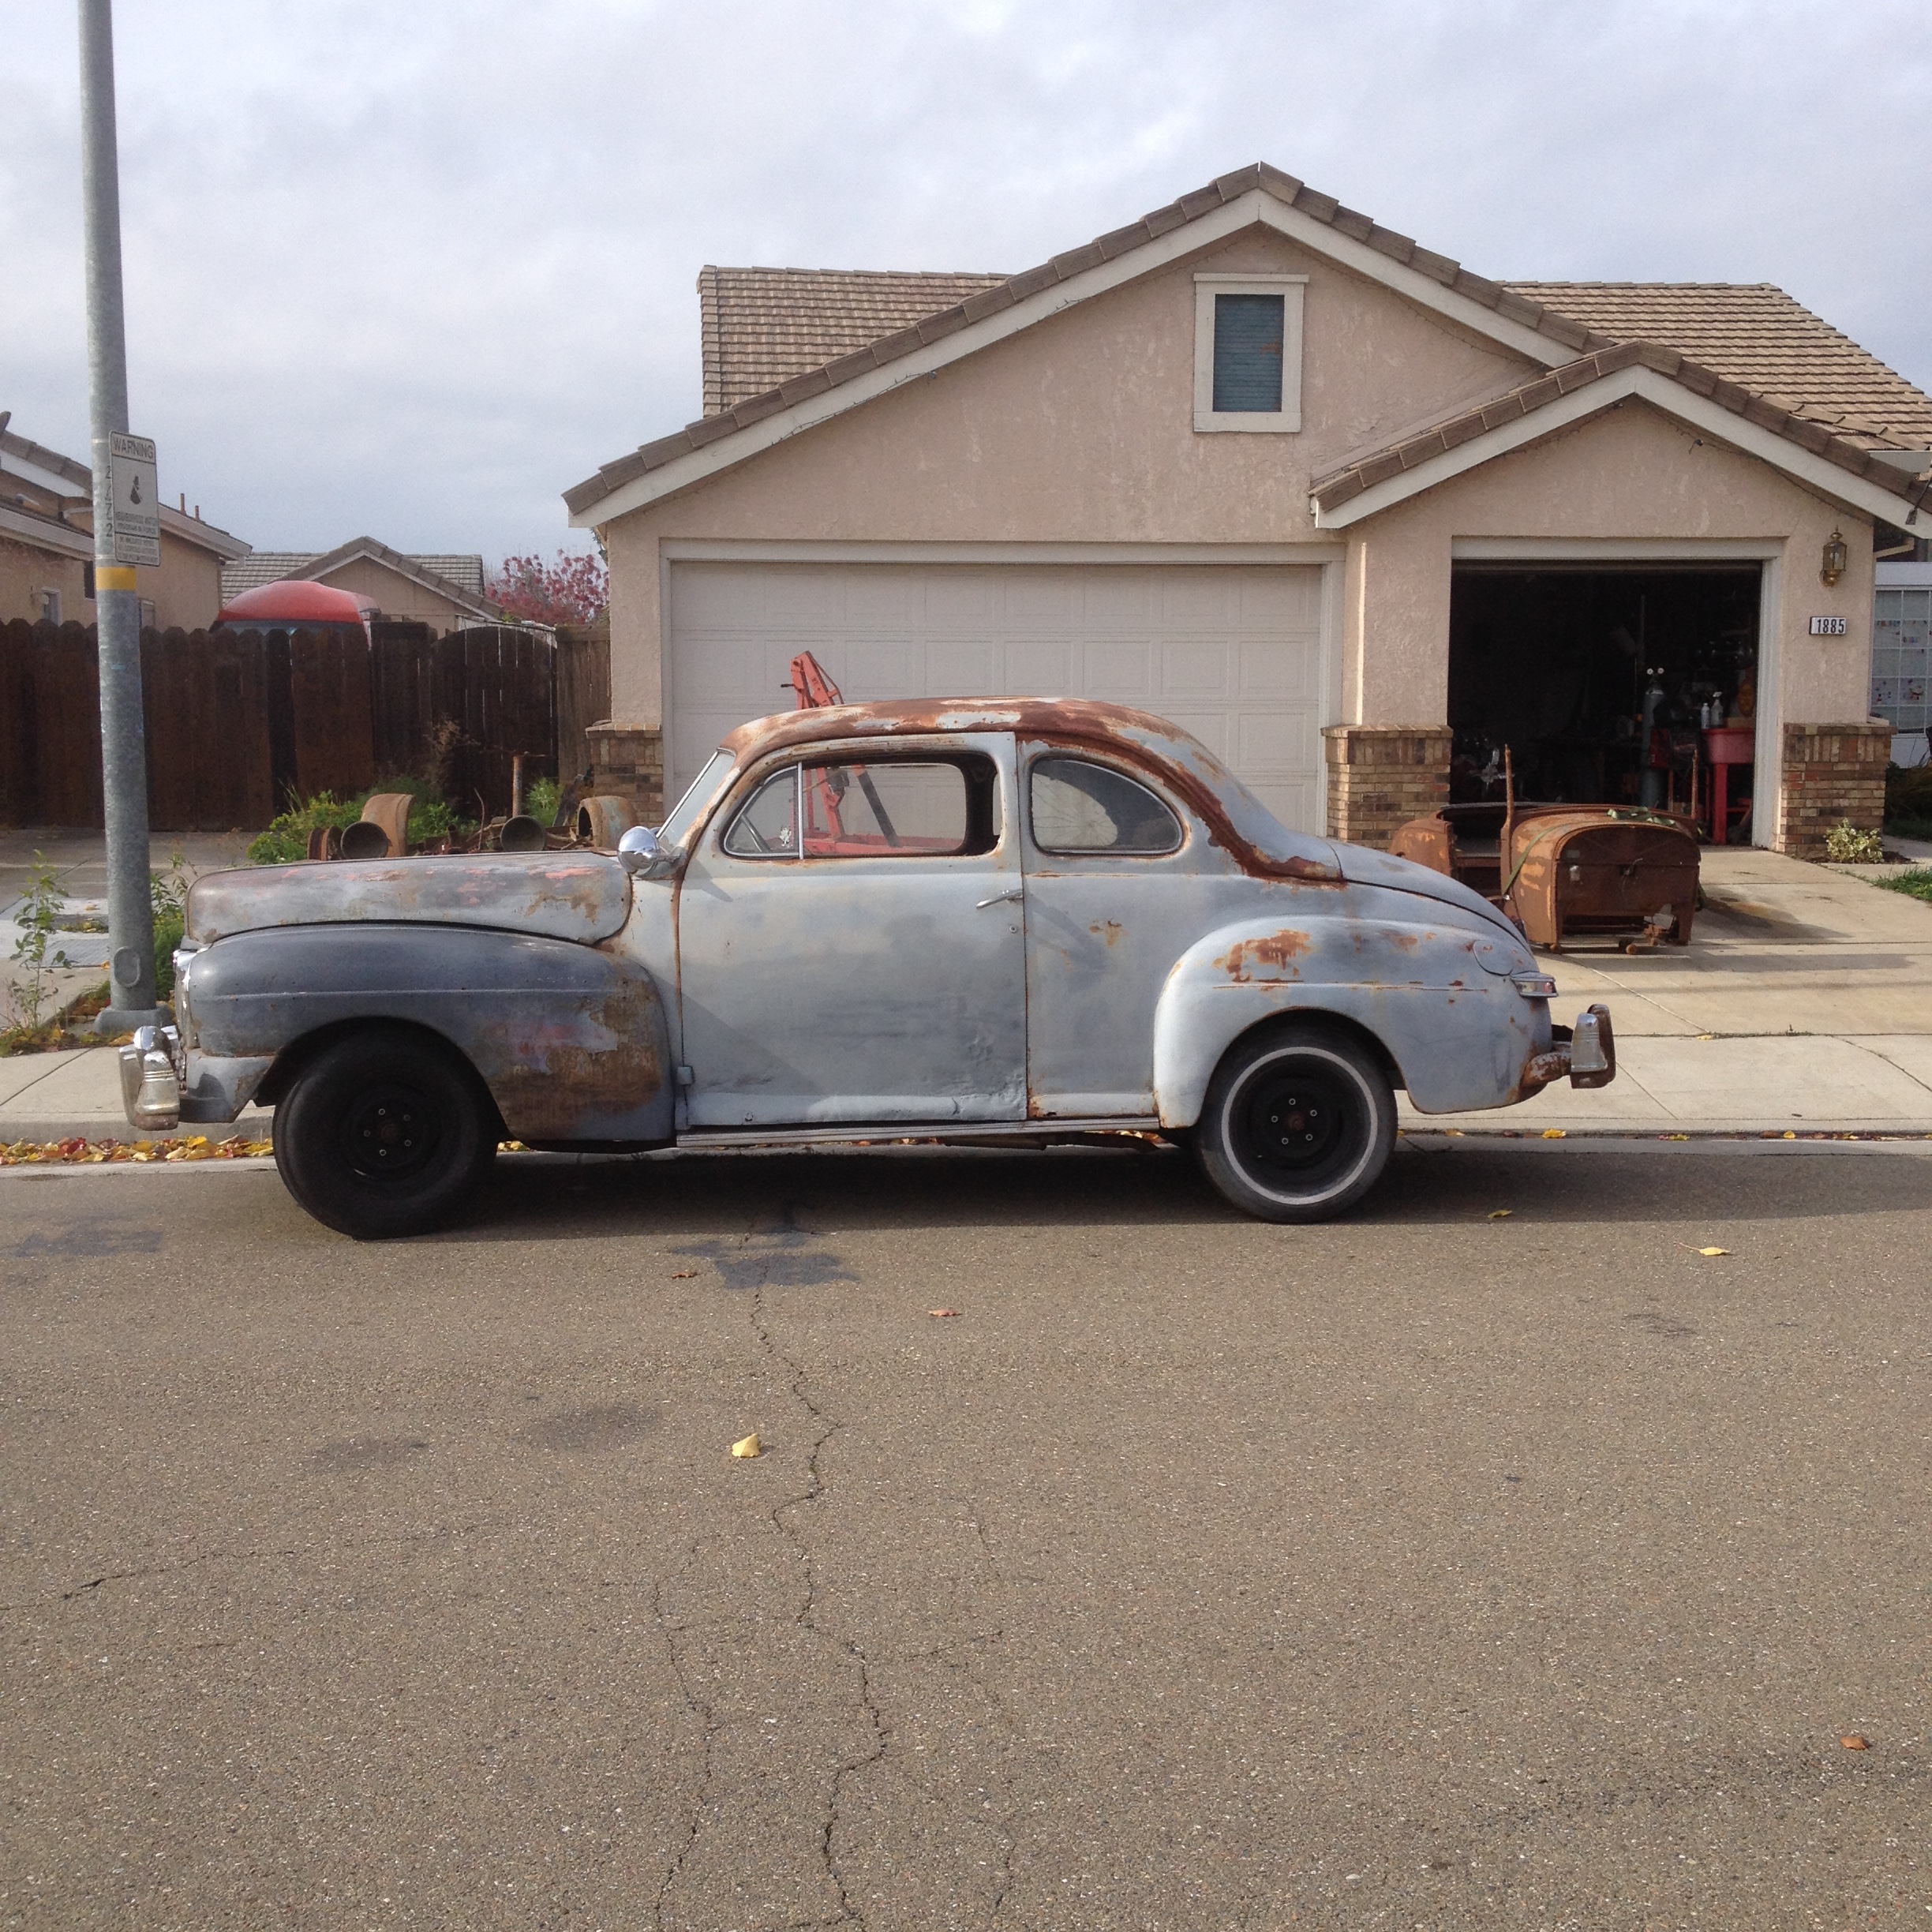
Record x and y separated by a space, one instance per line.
730 997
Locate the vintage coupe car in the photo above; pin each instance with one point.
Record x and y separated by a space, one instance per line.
1006 921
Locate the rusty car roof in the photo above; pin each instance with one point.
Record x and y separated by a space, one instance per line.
1237 819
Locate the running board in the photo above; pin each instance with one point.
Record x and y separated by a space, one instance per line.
914 1133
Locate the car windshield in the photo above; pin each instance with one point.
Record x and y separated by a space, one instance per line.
698 795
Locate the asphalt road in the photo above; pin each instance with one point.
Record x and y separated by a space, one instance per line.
1429 1569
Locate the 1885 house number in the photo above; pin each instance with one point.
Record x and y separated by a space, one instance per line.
1828 627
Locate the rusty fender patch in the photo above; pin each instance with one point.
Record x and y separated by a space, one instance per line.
555 1075
1273 957
1109 930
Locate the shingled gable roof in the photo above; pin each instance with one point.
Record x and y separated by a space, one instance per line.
1884 488
413 568
1525 324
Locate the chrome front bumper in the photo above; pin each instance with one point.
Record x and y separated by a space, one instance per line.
1585 1053
151 1080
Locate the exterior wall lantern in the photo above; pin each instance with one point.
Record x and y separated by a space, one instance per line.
1832 565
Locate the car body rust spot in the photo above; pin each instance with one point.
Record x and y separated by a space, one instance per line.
1109 930
1273 956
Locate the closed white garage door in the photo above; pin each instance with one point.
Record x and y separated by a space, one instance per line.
1231 652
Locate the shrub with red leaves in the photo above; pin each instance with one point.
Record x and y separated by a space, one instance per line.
569 590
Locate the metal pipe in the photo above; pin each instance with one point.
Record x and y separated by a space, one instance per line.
124 761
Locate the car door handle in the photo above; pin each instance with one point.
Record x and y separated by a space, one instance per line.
1005 898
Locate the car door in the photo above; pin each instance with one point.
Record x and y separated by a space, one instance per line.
1121 879
850 940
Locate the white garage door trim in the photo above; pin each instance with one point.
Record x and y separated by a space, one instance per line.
1325 559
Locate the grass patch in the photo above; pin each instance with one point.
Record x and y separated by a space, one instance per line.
73 1026
1917 884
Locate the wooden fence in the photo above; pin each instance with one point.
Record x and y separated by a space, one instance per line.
237 722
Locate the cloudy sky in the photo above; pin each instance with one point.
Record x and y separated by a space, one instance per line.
415 270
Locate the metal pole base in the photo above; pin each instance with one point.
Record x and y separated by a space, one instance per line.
126 1019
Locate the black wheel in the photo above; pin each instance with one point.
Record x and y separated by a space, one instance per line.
383 1133
1298 1123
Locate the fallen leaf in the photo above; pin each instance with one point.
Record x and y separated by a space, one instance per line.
1791 1133
1556 1134
747 1450
1707 1036
684 1274
1686 1246
1856 1743
1501 1214
944 1314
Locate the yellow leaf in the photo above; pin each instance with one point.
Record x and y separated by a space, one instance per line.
746 1449
1555 1133
1713 1251
1501 1214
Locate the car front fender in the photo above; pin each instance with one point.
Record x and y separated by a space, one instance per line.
570 1039
1438 999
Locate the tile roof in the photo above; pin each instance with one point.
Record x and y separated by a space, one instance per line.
761 326
1753 335
996 295
458 577
1332 491
1756 335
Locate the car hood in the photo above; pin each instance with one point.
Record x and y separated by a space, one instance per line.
1363 866
581 896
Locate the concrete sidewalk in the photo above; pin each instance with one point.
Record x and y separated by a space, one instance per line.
1804 1002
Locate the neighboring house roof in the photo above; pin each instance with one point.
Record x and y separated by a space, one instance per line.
459 580
761 326
51 463
746 339
1535 409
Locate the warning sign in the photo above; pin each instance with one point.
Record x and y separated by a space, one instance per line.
135 529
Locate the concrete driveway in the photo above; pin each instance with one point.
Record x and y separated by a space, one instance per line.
1804 1000
1424 1569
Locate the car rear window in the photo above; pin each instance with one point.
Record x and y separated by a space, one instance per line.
1079 806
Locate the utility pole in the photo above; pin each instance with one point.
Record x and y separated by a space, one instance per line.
124 760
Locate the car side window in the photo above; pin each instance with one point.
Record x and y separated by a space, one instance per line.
891 808
1077 806
766 826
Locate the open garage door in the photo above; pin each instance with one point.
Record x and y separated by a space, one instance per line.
1230 652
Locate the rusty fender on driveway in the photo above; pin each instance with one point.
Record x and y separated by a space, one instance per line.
570 1039
1439 999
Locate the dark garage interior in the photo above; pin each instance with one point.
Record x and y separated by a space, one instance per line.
1600 681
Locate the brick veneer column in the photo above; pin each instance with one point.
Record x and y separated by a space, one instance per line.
627 760
1830 774
1379 776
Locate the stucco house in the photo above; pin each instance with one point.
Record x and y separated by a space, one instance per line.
445 592
1356 516
46 546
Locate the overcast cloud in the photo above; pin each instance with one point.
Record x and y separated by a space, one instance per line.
414 270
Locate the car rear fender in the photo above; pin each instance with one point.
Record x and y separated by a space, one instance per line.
1437 999
570 1039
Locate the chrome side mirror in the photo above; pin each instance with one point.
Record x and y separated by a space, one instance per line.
640 854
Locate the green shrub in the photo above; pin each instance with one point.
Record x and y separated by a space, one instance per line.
167 894
544 798
1845 845
286 839
1908 799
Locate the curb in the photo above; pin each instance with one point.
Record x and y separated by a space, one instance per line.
254 1124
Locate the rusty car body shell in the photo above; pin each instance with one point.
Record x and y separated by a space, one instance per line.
1607 871
1005 990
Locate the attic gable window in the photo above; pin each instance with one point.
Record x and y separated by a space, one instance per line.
1248 352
